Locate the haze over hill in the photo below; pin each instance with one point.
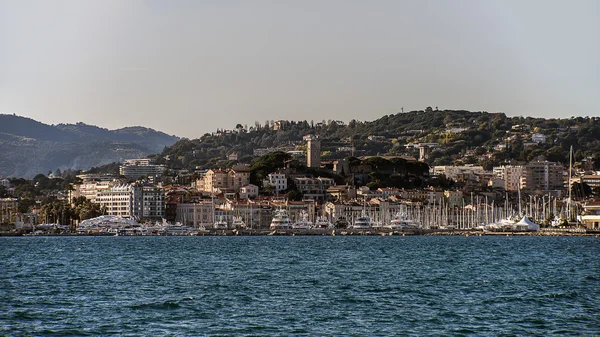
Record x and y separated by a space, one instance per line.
28 147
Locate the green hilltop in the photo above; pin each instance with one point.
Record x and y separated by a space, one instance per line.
460 137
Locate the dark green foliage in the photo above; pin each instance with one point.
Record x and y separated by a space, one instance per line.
266 164
112 168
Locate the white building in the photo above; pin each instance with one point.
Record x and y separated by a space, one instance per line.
278 181
452 172
135 168
133 201
538 138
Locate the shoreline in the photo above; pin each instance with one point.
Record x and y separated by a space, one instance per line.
336 232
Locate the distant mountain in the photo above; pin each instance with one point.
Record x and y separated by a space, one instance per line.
28 147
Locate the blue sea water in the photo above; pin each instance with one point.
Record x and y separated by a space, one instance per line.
337 286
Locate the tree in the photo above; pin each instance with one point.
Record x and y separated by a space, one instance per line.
294 195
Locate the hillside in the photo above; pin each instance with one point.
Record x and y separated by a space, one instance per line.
461 137
28 147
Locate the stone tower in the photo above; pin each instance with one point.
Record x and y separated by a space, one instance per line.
313 151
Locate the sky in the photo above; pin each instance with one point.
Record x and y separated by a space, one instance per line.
189 67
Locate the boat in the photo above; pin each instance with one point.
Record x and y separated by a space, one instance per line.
178 229
362 222
400 221
303 223
501 225
221 223
238 222
323 222
280 220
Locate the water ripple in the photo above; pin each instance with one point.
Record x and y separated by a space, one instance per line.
299 286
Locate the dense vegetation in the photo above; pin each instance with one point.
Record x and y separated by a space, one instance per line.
49 195
479 140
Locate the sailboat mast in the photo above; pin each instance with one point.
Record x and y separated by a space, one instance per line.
569 182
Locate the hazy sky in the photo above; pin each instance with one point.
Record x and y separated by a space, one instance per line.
189 67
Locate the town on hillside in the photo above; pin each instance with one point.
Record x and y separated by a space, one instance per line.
318 185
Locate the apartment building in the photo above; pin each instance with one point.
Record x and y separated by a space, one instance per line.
511 174
543 175
135 168
137 201
221 180
313 188
278 181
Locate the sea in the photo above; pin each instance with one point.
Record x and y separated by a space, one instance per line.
300 286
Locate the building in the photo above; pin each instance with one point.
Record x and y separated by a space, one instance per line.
280 125
215 179
511 174
248 191
8 209
278 181
591 180
135 201
469 175
387 192
543 176
135 168
195 214
424 152
454 198
233 156
591 216
341 192
153 202
313 188
313 151
538 138
497 183
239 176
376 138
5 182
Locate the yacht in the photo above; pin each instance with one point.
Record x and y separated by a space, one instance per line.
238 222
401 222
280 220
502 225
362 222
221 223
177 229
303 223
323 222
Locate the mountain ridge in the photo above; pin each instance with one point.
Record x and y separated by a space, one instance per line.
29 147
